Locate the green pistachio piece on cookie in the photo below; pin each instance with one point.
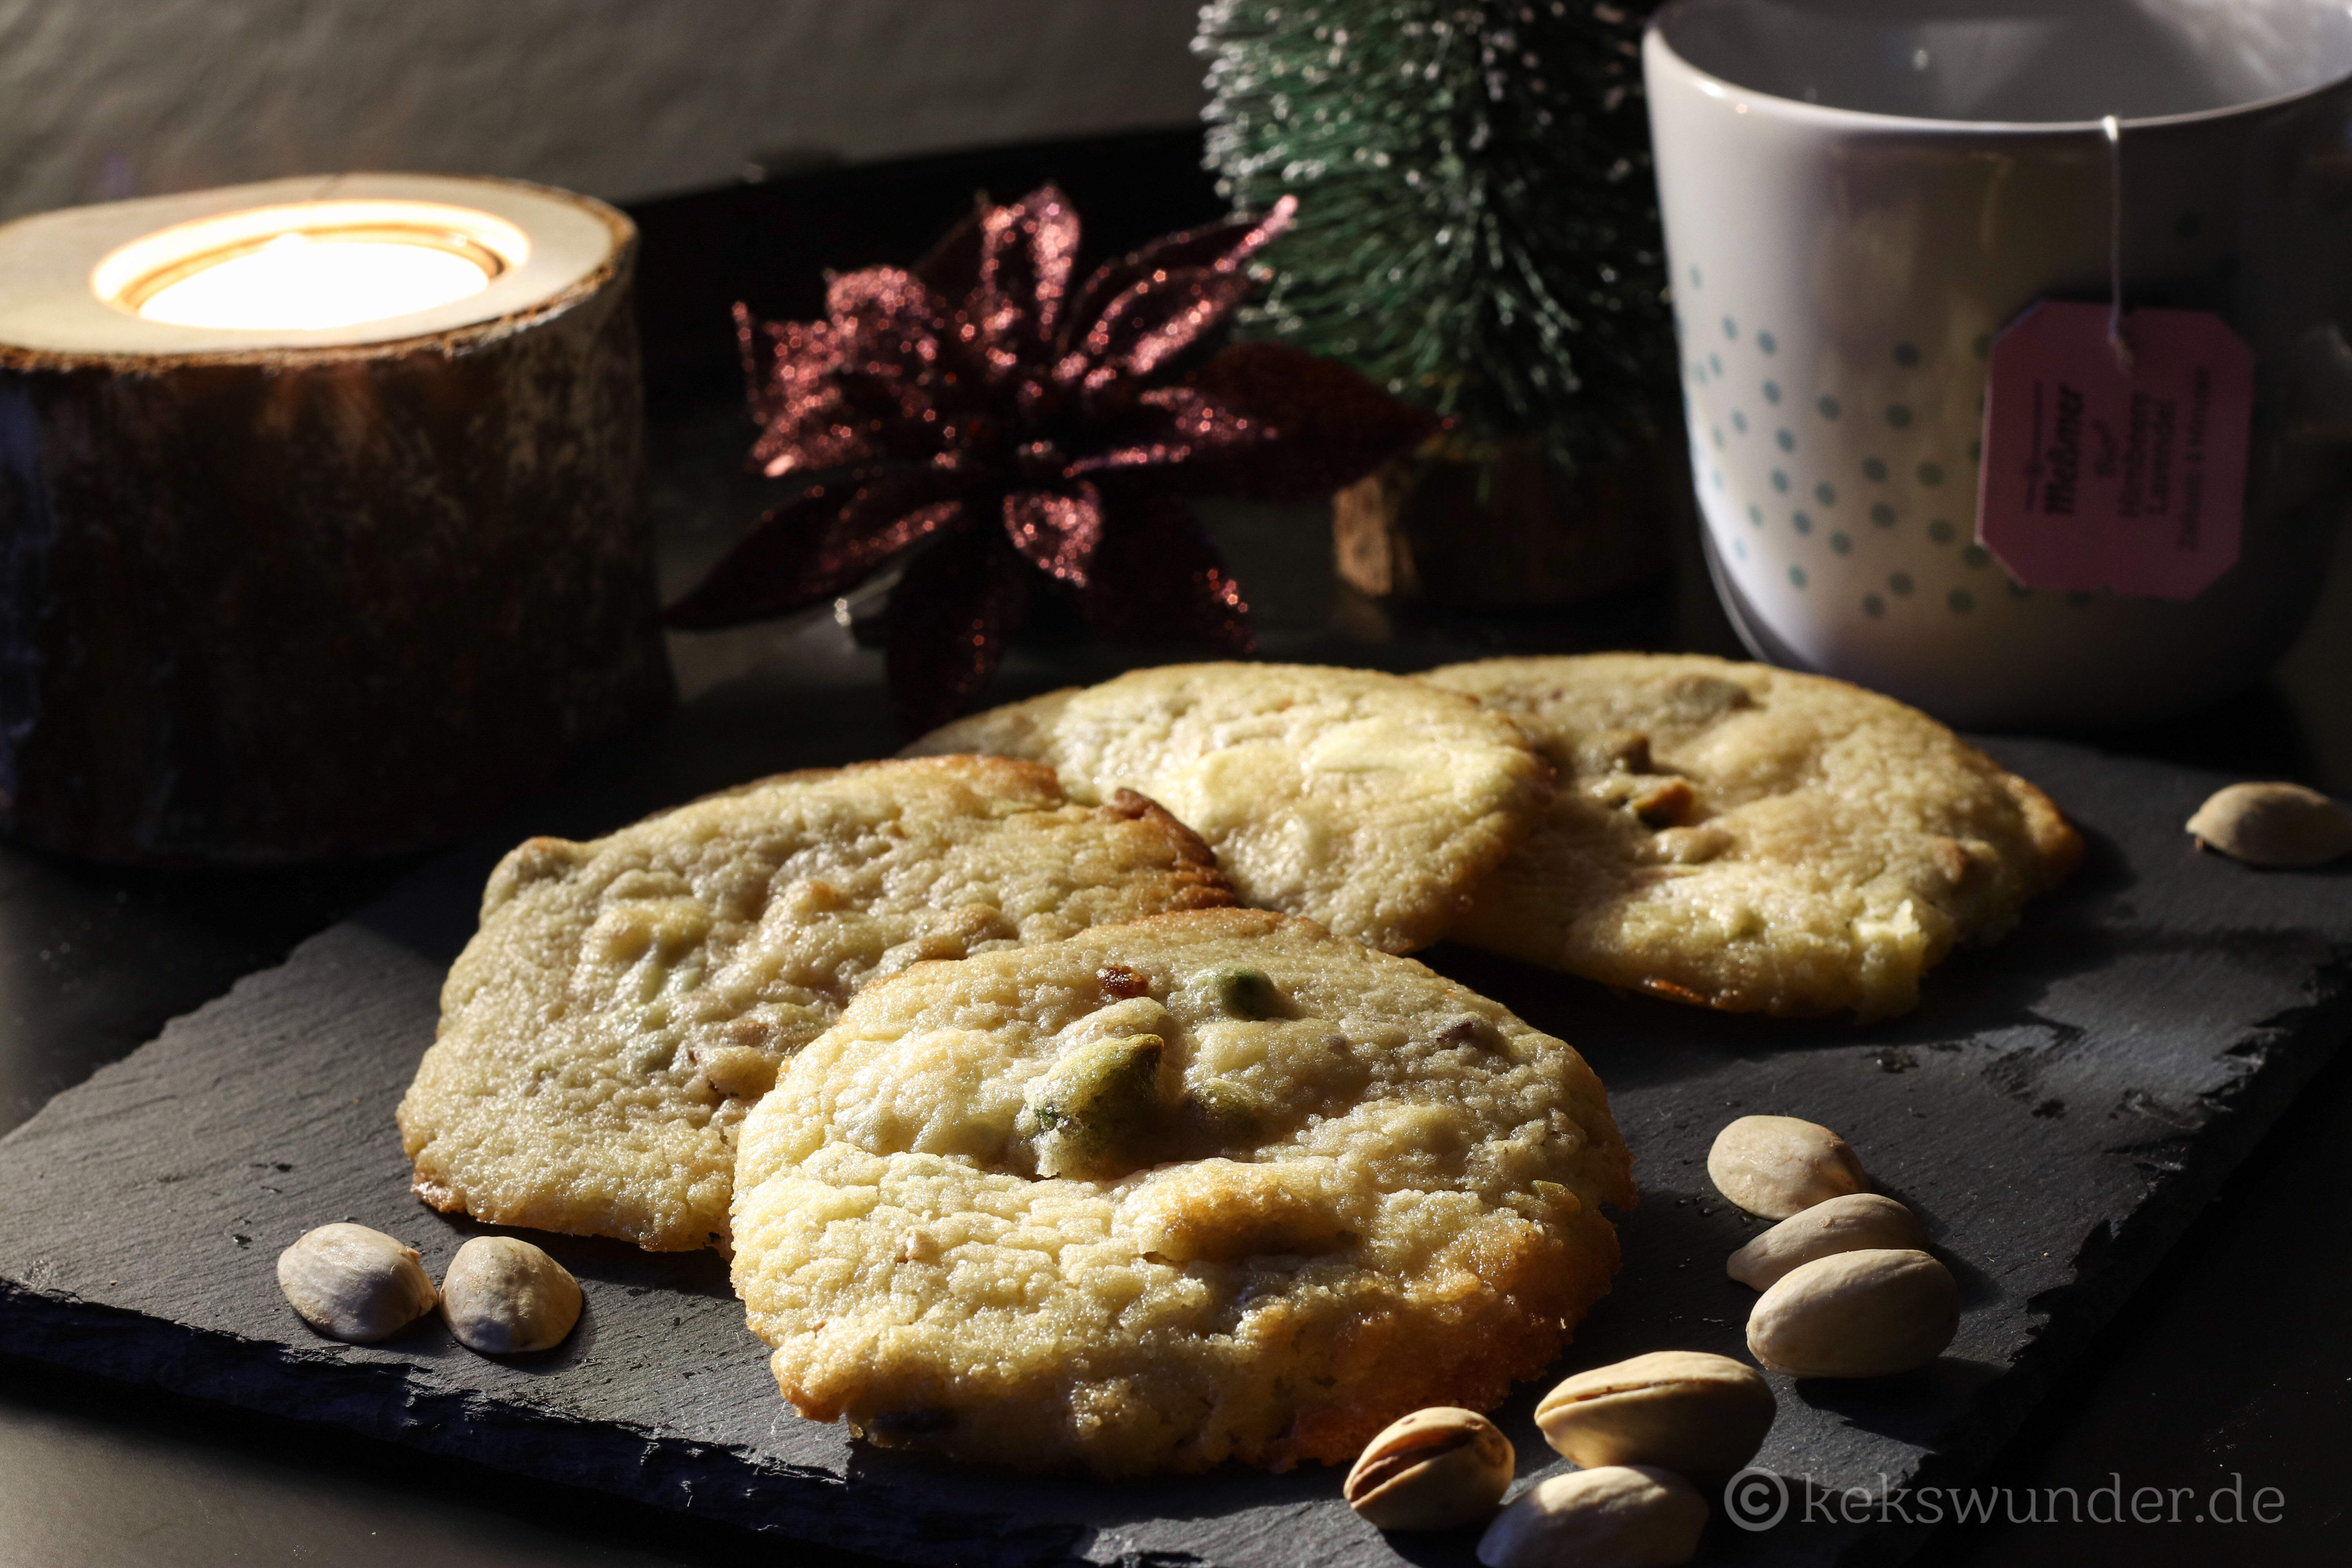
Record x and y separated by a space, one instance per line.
1094 1110
1225 1114
1242 991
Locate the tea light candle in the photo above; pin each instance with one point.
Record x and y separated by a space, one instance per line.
308 266
302 279
320 500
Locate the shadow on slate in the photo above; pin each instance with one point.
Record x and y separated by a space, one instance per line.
2056 1110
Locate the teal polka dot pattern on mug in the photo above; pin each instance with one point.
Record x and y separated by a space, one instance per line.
1894 445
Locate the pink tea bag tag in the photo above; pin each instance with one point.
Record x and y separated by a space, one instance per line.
2115 471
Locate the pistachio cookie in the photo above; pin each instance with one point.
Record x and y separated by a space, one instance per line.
1204 1187
1751 839
1365 801
625 1001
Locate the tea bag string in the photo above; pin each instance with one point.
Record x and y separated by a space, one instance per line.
2116 340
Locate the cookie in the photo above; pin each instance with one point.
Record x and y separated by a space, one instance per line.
1367 802
1751 839
1204 1188
625 1001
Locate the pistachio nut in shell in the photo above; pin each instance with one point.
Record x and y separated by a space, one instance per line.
354 1284
1858 1221
1780 1165
1856 1314
2273 825
1699 1415
1434 1469
502 1296
1619 1516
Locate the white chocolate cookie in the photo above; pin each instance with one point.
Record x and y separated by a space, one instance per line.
1747 839
626 1000
1365 801
1204 1187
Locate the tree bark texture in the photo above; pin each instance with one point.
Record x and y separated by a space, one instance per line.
296 605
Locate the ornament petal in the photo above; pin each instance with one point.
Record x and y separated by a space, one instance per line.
1027 252
1224 245
950 618
806 423
1174 428
819 542
1058 531
1157 579
1153 329
952 266
1317 424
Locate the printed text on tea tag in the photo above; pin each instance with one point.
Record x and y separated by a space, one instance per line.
2099 478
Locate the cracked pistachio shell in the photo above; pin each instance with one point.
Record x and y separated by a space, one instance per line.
502 1296
1856 1314
1780 1165
354 1284
1619 1516
1857 1222
2273 825
1699 1415
1434 1469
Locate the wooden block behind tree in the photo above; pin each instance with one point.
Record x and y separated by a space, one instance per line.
1504 528
296 597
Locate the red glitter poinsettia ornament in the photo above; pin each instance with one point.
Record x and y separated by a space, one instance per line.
1018 435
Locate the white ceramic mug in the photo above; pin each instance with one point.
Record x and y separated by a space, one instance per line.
1859 195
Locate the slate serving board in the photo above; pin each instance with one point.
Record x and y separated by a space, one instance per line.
2057 1108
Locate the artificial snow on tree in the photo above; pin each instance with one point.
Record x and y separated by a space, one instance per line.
1477 230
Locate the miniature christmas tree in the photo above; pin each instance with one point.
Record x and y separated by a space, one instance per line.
1477 225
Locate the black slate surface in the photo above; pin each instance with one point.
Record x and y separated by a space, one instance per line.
2057 1108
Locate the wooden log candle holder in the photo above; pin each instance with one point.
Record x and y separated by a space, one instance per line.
286 586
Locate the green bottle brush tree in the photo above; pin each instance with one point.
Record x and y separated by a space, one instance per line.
1477 230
